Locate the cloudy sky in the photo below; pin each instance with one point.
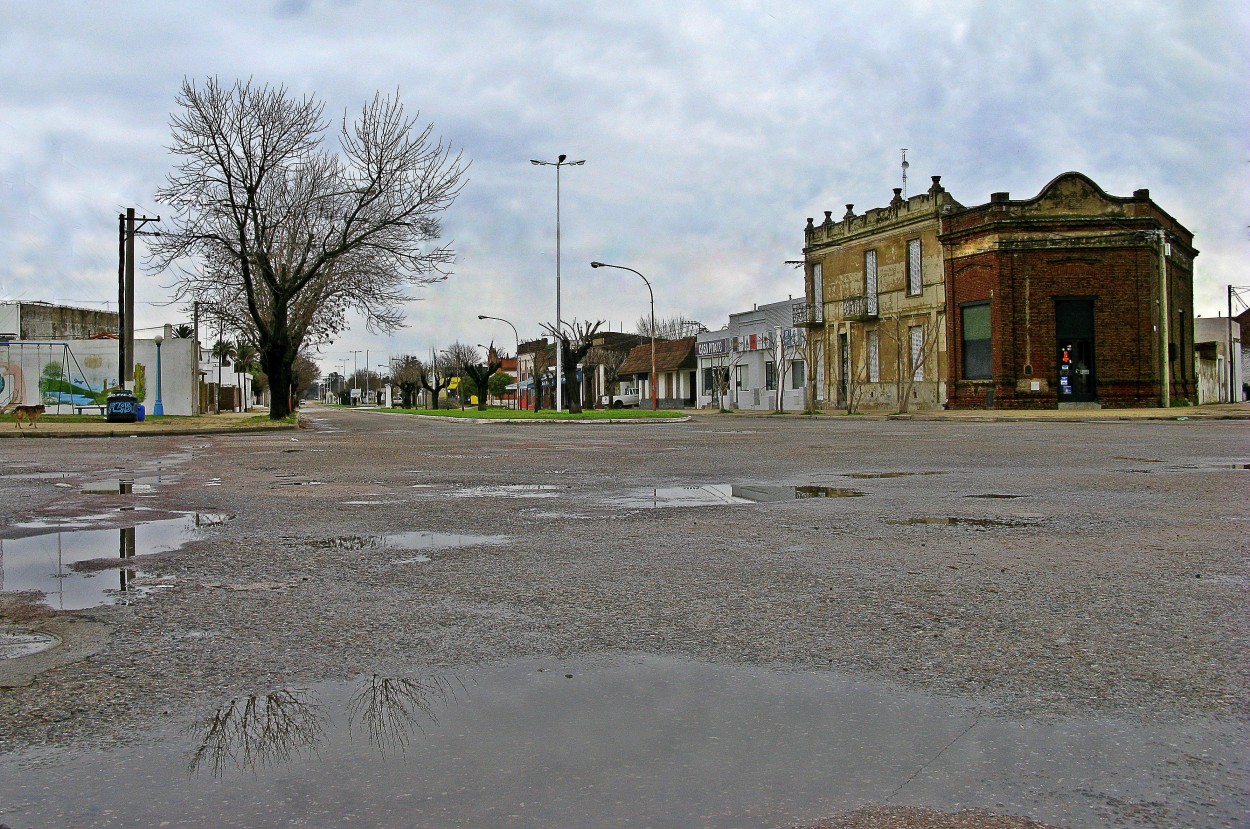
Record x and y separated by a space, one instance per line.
710 131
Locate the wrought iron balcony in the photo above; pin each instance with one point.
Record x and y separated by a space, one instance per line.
859 308
811 316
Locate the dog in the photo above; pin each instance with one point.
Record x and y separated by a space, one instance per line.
31 413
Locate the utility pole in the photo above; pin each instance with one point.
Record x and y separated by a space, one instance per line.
128 225
1165 368
196 379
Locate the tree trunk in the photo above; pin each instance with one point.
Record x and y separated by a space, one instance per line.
279 368
572 391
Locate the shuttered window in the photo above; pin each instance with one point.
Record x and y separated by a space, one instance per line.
915 282
870 282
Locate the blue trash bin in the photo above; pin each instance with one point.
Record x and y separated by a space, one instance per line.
140 412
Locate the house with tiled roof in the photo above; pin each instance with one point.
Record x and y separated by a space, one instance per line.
675 365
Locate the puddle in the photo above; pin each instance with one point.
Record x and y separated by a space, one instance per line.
507 491
994 495
1223 580
951 520
888 474
419 540
629 741
117 486
15 642
34 476
709 495
56 563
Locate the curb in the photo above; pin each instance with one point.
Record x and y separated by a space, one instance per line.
535 421
116 433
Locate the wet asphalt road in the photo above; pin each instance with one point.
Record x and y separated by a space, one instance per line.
1070 573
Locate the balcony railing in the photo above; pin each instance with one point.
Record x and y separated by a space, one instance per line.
859 308
809 315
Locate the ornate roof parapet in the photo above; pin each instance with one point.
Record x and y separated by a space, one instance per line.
900 211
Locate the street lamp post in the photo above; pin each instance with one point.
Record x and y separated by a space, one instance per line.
355 374
159 408
558 163
516 396
654 400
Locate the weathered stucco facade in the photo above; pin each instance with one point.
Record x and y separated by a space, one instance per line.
876 305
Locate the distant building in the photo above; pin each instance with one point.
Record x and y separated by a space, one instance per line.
675 366
757 362
1214 340
877 305
1060 300
43 321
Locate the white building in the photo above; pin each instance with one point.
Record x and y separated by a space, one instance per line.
759 359
1213 337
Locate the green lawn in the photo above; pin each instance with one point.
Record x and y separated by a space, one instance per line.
498 413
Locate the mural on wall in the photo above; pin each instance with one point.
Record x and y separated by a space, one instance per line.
51 374
11 386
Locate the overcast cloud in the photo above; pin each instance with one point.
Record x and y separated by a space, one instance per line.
710 132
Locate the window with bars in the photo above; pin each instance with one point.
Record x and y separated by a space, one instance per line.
770 375
874 357
915 280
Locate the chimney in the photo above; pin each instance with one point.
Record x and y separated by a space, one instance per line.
999 198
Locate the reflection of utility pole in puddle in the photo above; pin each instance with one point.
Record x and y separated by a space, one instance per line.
126 549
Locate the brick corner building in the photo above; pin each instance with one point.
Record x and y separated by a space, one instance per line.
1055 300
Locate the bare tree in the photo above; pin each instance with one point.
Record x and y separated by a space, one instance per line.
466 358
406 372
544 359
574 342
280 238
611 359
911 355
783 346
669 328
436 375
722 366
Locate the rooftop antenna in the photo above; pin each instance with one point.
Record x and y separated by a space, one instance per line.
905 166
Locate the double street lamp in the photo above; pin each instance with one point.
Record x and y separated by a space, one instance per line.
558 163
654 402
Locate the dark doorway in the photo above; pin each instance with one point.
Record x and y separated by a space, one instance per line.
844 384
1074 330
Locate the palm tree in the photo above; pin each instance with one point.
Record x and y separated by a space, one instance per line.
245 359
222 352
182 331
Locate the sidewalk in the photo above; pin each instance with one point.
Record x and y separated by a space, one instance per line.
253 420
1211 411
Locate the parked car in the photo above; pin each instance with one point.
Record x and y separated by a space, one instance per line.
627 397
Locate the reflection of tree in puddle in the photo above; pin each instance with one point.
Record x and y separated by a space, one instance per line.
390 708
260 730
